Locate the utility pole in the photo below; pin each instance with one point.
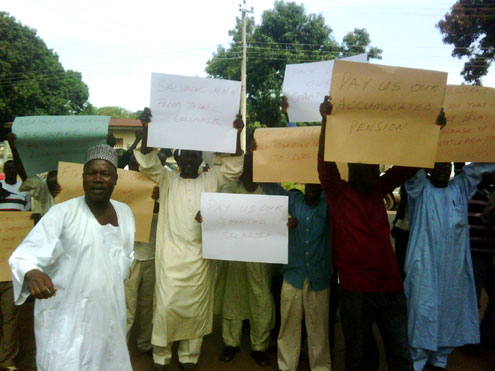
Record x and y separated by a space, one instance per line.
243 10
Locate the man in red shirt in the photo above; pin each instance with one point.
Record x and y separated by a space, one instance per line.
371 286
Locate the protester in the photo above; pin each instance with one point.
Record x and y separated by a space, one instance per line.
246 290
11 184
125 158
42 192
184 292
371 286
76 258
306 285
482 240
11 201
140 285
488 213
111 140
481 236
439 284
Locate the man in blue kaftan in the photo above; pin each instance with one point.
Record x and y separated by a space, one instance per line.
439 283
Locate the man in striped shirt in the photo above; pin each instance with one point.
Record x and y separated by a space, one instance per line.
482 240
11 201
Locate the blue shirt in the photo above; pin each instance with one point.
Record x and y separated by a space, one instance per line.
309 242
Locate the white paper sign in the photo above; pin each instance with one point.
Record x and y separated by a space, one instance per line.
193 113
241 227
305 85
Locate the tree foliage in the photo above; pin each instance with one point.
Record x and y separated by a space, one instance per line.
116 112
357 42
32 80
470 27
286 34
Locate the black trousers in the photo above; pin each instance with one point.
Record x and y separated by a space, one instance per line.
358 312
401 240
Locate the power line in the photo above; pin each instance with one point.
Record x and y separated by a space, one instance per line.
381 46
13 78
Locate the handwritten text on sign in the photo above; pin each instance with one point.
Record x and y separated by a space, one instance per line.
305 85
14 227
133 189
43 141
193 113
470 132
384 115
240 227
288 155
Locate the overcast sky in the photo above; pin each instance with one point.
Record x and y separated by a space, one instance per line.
116 44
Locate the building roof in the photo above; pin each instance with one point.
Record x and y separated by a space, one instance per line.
114 123
125 123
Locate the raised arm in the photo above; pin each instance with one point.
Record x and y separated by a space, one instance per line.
232 166
238 125
328 172
145 119
325 109
285 106
469 179
398 175
11 138
126 157
147 158
395 177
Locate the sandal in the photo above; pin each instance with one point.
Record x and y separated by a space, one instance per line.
229 353
260 357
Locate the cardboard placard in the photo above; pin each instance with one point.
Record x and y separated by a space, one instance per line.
288 155
193 113
305 85
470 132
14 227
240 227
43 141
384 115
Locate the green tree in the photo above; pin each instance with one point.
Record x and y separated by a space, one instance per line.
116 112
357 42
286 34
32 80
470 27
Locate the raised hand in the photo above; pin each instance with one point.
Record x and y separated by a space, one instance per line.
326 107
145 117
441 119
238 123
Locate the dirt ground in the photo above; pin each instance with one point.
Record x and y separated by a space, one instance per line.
459 360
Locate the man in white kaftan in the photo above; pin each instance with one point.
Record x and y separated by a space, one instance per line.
246 295
184 280
184 295
84 261
441 297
